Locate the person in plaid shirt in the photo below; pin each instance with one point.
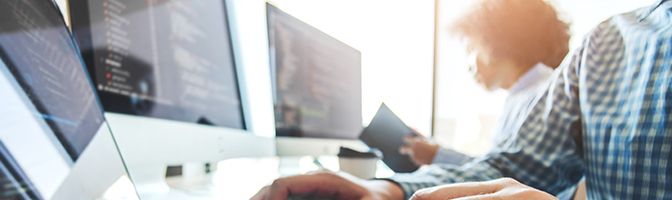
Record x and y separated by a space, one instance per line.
606 115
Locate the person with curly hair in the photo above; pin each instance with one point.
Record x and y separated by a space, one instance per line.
513 45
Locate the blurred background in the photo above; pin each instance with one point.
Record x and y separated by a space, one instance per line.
236 75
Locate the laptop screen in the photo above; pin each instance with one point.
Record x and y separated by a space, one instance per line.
54 142
39 52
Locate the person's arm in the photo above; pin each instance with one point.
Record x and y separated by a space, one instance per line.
424 151
450 156
543 154
500 189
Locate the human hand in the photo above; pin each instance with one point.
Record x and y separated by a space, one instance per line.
421 150
501 189
329 185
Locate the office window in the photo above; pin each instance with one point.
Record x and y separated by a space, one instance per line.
466 114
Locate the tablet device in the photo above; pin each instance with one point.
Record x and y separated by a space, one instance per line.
386 132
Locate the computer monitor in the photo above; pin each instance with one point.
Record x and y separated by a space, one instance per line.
54 141
317 89
169 80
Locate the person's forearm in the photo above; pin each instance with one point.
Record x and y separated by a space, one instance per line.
382 189
450 156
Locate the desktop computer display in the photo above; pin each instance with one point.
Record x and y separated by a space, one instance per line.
316 80
54 142
170 83
169 59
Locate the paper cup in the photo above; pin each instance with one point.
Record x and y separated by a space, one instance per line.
364 168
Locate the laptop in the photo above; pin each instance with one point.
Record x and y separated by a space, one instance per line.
54 141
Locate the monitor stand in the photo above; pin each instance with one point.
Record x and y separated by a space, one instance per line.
149 145
151 182
150 179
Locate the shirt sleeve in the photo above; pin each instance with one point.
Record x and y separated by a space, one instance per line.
542 154
449 156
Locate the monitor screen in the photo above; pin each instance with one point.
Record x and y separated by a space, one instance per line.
169 59
316 80
38 51
52 130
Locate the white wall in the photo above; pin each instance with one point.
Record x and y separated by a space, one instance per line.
584 15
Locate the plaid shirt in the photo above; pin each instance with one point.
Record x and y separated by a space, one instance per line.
607 114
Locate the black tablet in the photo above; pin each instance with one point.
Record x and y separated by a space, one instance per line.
386 132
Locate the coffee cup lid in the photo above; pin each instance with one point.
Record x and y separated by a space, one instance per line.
346 152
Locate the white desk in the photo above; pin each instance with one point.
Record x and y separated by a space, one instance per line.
242 178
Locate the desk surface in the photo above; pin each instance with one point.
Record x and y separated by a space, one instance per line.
242 178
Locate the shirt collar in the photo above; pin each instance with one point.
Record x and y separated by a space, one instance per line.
531 77
654 7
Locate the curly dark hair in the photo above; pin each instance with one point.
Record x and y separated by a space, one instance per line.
525 31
